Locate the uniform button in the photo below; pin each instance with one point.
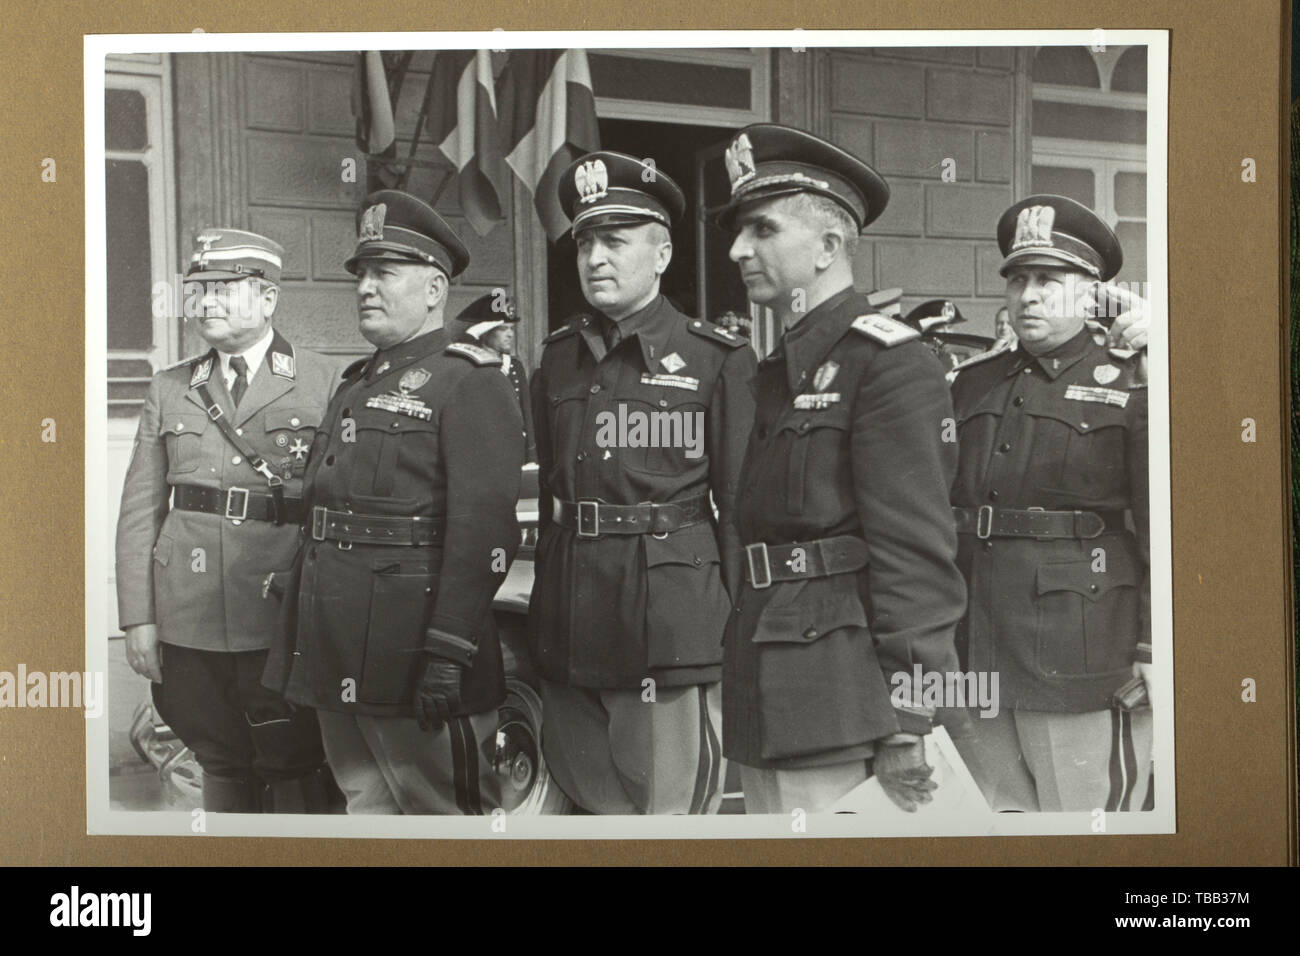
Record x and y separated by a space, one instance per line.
595 389
803 426
1020 400
180 426
810 633
1093 588
698 561
988 545
1004 447
582 456
1083 424
329 459
295 422
236 460
1029 370
993 495
395 424
239 431
663 403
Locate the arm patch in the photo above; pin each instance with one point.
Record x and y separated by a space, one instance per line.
881 328
716 333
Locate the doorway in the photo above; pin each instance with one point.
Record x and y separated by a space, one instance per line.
700 281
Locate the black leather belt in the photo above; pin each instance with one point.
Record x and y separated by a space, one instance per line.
803 559
347 529
237 504
989 522
591 518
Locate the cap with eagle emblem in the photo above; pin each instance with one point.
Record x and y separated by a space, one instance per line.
1060 232
934 314
608 188
766 160
396 225
229 254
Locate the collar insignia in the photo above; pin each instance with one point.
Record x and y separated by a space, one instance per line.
673 362
282 364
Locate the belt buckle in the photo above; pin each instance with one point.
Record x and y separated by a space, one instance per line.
318 523
589 520
758 582
243 506
984 522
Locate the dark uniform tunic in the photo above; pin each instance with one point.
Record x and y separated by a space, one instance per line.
608 612
807 667
518 379
1066 430
452 455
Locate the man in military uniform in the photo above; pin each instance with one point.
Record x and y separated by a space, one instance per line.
843 501
490 321
411 486
211 503
1052 507
641 416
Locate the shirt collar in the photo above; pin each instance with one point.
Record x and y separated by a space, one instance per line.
807 343
254 355
1060 359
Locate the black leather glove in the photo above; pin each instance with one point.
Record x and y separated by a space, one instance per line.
438 693
903 774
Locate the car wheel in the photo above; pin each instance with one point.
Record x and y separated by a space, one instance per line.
526 785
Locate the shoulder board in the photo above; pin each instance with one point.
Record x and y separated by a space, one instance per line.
185 361
475 353
717 333
881 328
564 330
355 368
977 359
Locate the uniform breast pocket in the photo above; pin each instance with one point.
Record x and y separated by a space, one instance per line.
401 601
820 685
817 442
182 433
659 431
1088 618
396 458
291 432
1086 440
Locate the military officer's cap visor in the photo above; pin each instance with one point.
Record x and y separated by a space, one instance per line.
1060 233
614 189
398 226
228 255
490 307
765 161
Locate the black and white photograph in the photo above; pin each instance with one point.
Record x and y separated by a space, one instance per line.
747 434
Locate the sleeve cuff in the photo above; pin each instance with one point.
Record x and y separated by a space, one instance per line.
1142 653
450 646
914 720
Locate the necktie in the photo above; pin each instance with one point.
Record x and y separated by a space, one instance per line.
240 368
613 335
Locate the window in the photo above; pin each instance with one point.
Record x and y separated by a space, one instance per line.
1089 138
137 181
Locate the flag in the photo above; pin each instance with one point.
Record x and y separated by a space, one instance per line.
463 125
548 119
371 105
